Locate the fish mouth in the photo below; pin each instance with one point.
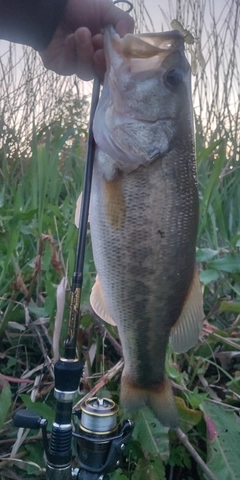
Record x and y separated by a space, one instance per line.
145 45
135 49
148 45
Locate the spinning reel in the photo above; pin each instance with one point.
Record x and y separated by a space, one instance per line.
98 440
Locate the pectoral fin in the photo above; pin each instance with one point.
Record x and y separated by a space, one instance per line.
98 302
78 210
115 207
185 332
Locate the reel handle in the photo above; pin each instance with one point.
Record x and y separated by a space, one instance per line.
26 418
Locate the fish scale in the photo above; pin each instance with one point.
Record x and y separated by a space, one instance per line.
144 218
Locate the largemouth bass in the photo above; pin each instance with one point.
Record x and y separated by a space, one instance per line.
144 212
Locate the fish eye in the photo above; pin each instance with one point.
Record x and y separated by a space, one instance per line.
174 78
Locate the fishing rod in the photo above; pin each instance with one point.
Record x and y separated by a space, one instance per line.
98 440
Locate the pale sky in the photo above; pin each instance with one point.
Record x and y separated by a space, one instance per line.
157 17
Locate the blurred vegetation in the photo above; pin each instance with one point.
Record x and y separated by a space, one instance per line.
43 129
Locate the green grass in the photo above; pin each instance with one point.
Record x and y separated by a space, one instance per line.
38 202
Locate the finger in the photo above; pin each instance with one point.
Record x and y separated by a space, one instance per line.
85 51
97 41
99 60
61 58
99 63
112 15
125 26
67 65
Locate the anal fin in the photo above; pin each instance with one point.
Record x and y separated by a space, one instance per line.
185 332
98 303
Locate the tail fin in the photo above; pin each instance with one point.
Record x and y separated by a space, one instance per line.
158 397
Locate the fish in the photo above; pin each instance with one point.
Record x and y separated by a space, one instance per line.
144 212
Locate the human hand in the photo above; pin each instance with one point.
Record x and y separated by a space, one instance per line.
77 45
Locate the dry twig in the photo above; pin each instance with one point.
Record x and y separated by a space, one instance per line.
104 380
184 440
103 331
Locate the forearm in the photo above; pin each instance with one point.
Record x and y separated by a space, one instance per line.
30 22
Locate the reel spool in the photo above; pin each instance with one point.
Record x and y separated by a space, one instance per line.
99 440
98 421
